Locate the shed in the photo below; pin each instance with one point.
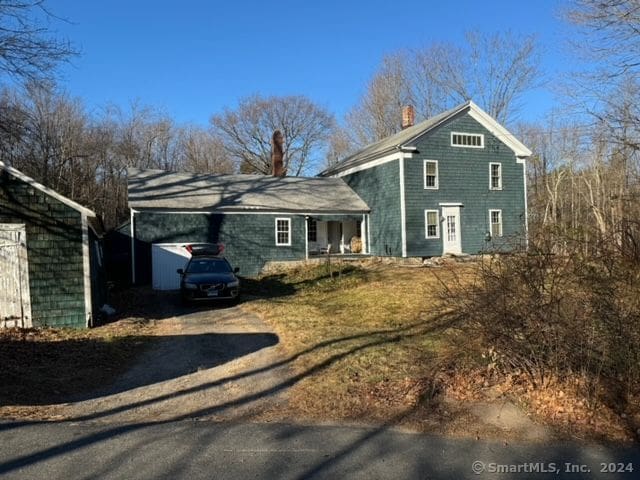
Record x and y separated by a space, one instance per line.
52 270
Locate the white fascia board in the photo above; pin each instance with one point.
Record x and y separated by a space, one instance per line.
86 272
498 130
370 164
451 204
403 208
249 212
38 186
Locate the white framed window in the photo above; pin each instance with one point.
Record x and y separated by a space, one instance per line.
467 140
432 224
431 174
495 176
495 220
312 230
283 232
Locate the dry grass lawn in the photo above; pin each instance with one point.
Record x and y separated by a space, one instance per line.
368 342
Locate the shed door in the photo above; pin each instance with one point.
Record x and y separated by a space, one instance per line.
166 258
15 301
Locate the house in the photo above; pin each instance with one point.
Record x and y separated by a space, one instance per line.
452 184
258 218
50 256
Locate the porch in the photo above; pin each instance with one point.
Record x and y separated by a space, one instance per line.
344 235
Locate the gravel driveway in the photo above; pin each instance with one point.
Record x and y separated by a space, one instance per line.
210 363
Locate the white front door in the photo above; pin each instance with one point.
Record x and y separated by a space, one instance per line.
451 239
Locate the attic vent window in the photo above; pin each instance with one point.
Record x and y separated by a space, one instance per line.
468 140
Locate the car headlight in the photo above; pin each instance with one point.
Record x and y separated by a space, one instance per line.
190 286
233 284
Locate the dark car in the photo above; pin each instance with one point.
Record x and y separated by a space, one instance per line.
208 276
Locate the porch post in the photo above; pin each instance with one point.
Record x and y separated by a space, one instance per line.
363 234
306 237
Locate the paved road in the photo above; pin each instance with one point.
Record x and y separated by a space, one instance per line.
209 450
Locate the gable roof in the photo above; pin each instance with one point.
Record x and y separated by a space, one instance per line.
38 186
404 139
158 189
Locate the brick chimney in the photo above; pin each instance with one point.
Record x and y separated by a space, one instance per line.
277 155
408 116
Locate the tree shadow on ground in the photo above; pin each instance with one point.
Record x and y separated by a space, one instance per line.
47 372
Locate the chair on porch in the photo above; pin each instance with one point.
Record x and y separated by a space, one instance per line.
325 250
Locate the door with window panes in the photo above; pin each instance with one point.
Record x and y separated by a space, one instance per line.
451 235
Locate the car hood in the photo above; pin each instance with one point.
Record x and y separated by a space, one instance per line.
200 278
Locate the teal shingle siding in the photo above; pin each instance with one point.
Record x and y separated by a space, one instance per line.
379 187
54 250
249 239
463 177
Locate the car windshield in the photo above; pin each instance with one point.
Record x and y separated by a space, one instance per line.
208 265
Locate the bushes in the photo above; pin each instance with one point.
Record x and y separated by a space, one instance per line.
562 309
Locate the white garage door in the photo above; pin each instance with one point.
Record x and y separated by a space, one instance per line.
166 258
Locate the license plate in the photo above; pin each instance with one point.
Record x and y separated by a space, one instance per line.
212 293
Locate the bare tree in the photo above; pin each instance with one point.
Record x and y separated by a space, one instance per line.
246 132
492 69
201 151
28 48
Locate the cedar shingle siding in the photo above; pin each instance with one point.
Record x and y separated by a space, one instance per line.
379 187
464 178
54 249
249 239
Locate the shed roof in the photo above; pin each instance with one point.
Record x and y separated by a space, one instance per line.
405 139
161 190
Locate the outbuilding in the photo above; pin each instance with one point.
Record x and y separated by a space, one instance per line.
51 266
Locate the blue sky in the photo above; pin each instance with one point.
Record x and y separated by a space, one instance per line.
193 58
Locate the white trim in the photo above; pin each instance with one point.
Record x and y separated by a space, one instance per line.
526 201
370 164
498 130
424 174
467 134
403 208
306 237
426 224
234 212
86 271
363 234
133 248
38 186
368 233
491 187
491 210
288 220
451 204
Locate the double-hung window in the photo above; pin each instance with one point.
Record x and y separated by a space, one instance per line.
495 218
283 232
495 176
431 174
432 223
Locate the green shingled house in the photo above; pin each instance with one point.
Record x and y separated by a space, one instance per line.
452 184
50 256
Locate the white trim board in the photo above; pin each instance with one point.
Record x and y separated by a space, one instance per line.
289 233
38 186
403 208
86 273
370 164
233 212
